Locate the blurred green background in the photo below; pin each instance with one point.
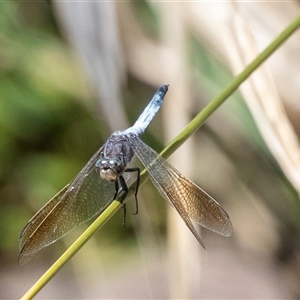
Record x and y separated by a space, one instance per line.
43 115
51 123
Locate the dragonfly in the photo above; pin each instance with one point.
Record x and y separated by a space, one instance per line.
105 176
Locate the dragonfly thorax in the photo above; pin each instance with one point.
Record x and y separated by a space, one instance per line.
114 158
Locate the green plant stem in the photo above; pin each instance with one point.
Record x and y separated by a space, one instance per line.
173 145
198 121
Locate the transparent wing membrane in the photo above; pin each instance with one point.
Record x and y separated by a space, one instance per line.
82 199
188 199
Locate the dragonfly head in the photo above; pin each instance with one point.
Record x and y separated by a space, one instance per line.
110 168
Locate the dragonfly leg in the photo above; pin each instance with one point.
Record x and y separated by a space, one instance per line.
136 187
125 192
117 189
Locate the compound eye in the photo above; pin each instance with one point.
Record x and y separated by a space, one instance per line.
108 163
113 163
101 163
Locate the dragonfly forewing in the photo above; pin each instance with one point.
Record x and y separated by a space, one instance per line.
82 199
189 200
27 234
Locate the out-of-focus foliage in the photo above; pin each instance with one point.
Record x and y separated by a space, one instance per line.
147 18
50 126
42 116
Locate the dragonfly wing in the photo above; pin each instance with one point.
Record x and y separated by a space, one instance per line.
36 220
188 199
87 195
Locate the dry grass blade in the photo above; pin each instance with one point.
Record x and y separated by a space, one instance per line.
100 53
263 100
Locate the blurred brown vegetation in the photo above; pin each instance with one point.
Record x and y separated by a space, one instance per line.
73 72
